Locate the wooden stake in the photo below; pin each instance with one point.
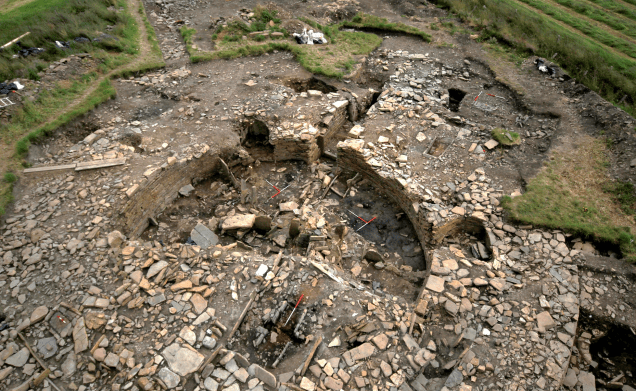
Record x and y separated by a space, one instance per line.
311 355
97 343
44 367
236 326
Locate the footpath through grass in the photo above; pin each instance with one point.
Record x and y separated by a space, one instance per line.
63 103
64 20
574 193
265 34
510 22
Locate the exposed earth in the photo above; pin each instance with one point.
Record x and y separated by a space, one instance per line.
163 240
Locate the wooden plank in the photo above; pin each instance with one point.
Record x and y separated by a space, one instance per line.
100 164
6 45
50 168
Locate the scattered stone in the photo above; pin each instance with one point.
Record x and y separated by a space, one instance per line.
115 239
491 144
19 359
38 314
171 379
80 338
186 190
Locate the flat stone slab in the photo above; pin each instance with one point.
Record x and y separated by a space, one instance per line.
435 283
47 347
239 222
182 360
19 359
203 236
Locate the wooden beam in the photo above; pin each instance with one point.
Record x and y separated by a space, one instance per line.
311 355
99 164
50 168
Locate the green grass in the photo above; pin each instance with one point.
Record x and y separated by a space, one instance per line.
365 21
6 196
501 136
62 20
47 104
568 195
617 7
29 123
102 93
334 59
624 194
632 2
588 29
511 23
619 24
10 177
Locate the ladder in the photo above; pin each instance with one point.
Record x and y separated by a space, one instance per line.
4 102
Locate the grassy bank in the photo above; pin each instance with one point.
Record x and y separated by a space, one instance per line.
372 22
573 193
66 101
79 18
510 22
102 93
618 23
586 28
617 7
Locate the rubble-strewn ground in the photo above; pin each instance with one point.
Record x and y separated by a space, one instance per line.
236 190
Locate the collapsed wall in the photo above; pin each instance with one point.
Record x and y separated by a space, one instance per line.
162 188
300 129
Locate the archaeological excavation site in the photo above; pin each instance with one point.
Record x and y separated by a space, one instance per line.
264 214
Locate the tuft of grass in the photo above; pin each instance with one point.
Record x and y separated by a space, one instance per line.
372 22
10 177
625 195
265 15
568 195
6 196
506 137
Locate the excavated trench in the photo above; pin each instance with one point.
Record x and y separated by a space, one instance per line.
611 350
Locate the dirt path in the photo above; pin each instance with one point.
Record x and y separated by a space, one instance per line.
7 150
573 30
602 26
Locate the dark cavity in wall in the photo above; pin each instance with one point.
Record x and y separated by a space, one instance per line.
455 97
303 85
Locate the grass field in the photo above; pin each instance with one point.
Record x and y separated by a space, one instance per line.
334 59
597 50
63 20
573 193
131 53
